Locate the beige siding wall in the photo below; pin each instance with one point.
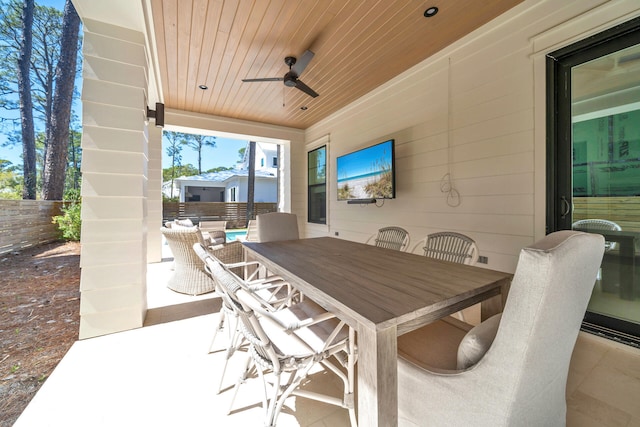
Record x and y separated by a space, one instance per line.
115 161
476 111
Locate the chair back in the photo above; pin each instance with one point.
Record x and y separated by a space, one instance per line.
238 298
189 276
252 231
213 225
395 238
544 310
275 226
293 339
215 229
593 224
450 246
523 375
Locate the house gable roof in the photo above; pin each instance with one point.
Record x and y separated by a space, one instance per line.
224 176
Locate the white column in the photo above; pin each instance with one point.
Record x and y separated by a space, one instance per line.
154 194
114 180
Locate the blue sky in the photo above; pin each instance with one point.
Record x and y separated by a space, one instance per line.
362 162
224 154
13 153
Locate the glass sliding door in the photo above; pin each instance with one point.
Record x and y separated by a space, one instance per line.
594 166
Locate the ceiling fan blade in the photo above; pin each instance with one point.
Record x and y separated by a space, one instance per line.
306 89
302 63
265 79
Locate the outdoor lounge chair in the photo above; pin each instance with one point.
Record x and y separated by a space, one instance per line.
513 367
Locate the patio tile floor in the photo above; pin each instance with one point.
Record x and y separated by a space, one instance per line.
163 375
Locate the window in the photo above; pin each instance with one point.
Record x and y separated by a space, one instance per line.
232 194
317 185
274 163
262 162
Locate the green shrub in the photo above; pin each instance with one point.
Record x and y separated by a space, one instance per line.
69 222
165 198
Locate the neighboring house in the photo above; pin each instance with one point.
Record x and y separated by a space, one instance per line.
231 185
266 157
225 186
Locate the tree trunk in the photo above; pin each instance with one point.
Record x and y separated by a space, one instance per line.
26 103
251 181
56 159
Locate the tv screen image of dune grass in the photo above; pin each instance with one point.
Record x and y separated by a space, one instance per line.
367 173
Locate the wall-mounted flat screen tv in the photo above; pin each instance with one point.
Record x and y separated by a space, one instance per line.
367 174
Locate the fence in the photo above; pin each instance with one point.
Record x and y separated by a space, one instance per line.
235 213
624 211
25 223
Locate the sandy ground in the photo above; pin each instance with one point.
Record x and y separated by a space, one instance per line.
39 319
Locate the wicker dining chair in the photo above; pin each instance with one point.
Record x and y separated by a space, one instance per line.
214 230
396 238
189 276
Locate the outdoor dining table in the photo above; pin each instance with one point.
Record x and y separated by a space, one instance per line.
382 294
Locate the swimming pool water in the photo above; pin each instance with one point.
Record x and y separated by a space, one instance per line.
232 234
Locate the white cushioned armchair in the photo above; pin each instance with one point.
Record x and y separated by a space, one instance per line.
519 377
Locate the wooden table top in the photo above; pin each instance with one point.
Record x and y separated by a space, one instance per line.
375 286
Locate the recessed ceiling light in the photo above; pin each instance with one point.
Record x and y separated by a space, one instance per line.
430 12
203 87
304 108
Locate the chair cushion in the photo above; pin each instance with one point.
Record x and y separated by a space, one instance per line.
313 337
435 345
217 241
477 341
184 223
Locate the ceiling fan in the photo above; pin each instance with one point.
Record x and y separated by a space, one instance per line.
296 67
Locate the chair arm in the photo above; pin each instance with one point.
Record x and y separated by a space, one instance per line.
310 321
477 341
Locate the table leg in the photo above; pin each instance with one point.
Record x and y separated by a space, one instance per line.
495 305
377 377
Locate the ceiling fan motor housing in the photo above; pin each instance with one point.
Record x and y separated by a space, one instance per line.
290 79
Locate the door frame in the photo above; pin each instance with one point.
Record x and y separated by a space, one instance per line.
559 191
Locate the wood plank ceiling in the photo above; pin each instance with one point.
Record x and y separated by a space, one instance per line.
358 45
